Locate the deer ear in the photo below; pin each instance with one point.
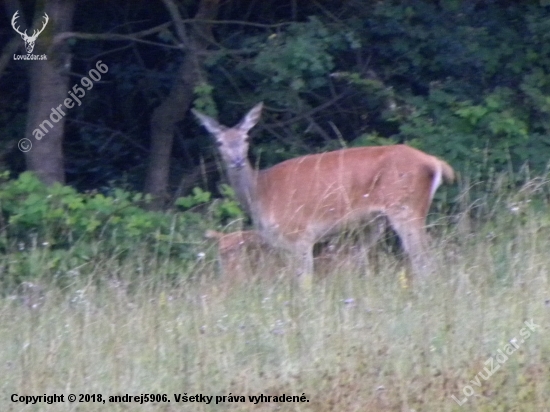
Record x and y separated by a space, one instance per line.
209 124
251 118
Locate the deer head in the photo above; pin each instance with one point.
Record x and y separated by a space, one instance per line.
29 40
233 142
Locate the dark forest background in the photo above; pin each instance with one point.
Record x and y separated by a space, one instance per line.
464 80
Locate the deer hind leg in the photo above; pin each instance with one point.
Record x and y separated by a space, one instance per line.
306 268
304 258
415 241
375 230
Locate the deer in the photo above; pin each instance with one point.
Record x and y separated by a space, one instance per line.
238 251
298 202
29 40
244 251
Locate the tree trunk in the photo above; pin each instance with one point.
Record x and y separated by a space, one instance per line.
49 85
174 108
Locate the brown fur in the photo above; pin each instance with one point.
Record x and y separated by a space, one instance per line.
244 254
297 203
239 253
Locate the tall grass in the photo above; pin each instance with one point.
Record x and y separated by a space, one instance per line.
355 341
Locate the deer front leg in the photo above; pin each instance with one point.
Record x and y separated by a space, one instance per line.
304 271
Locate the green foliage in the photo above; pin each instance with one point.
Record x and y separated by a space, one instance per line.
491 133
299 58
76 226
215 212
59 215
56 228
203 99
469 84
294 62
228 207
198 197
371 139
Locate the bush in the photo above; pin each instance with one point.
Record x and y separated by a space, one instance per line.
58 228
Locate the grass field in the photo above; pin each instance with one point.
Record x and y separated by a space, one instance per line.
351 342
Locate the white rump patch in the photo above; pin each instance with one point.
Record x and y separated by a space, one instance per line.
436 182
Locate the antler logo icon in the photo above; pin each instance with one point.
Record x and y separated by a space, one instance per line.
29 40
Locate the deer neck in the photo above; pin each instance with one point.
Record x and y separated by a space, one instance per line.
244 182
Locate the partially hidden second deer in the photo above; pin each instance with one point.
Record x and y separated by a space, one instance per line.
300 201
